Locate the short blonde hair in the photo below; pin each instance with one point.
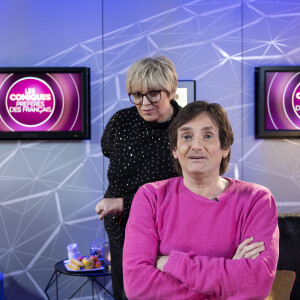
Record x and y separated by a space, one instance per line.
150 73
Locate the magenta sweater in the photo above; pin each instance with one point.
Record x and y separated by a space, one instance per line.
201 237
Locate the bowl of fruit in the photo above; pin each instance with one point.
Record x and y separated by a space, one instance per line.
84 264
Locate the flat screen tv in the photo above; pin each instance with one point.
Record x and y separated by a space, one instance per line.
277 102
45 103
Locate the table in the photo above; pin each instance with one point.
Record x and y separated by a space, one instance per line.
60 269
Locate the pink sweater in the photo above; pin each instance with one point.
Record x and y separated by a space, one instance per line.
201 237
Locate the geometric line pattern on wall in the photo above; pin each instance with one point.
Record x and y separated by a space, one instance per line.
49 189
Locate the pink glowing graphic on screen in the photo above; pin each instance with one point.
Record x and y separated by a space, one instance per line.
40 102
296 100
30 102
283 101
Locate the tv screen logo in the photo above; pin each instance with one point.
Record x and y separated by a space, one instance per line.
30 102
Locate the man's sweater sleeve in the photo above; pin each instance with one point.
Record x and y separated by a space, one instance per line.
235 279
141 279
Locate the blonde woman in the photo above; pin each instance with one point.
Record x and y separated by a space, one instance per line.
136 142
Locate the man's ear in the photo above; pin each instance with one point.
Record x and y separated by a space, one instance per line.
174 151
225 152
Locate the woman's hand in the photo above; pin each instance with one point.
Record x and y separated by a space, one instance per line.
108 206
247 250
161 261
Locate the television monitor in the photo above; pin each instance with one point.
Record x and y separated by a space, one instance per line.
45 103
277 102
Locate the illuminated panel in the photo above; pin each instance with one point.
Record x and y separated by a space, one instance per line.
282 101
40 102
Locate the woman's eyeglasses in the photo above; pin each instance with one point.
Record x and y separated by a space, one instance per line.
153 96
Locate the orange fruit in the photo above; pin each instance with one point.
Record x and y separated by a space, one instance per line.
94 258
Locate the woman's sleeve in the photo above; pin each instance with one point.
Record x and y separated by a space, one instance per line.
235 279
141 279
127 202
109 136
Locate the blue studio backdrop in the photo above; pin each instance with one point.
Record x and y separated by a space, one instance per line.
49 188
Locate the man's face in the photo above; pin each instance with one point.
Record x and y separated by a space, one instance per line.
198 147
